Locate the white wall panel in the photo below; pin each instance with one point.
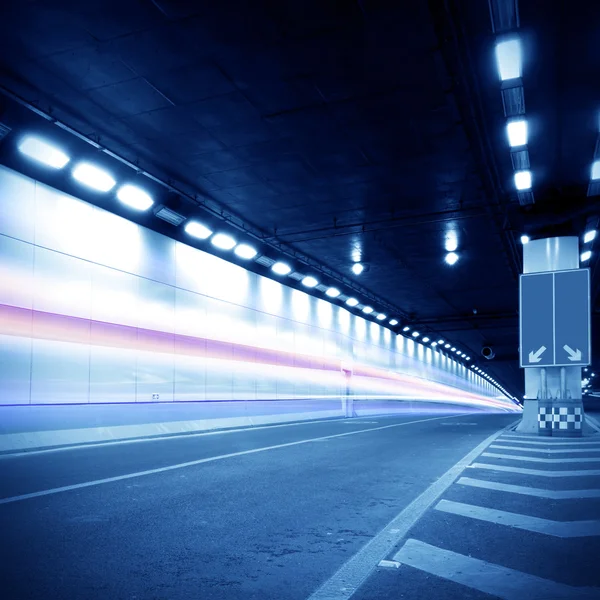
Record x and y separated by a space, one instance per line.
16 272
17 205
15 369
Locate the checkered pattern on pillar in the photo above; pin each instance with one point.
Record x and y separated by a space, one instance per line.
545 417
567 417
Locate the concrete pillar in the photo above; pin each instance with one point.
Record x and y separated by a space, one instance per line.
560 386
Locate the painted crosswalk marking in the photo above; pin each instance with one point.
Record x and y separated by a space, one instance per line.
562 529
497 580
540 459
529 491
541 473
552 440
546 450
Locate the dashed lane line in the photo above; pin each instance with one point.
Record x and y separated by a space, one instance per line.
489 578
530 491
562 529
509 469
539 459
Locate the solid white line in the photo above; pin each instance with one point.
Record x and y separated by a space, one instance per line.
541 460
562 529
496 580
529 491
545 450
349 577
528 443
201 461
160 438
582 473
552 440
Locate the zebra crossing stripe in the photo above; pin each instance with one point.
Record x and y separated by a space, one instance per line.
530 491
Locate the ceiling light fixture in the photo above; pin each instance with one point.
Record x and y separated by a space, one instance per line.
223 241
447 346
381 316
589 236
93 177
245 251
585 256
451 258
508 59
425 340
134 197
310 282
281 268
525 239
523 180
517 133
352 302
367 310
43 152
596 170
332 292
358 268
406 328
393 322
415 334
197 230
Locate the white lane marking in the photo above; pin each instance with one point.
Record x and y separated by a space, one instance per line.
529 491
496 580
528 443
349 577
540 459
582 473
161 438
562 529
390 564
591 421
552 440
545 450
201 461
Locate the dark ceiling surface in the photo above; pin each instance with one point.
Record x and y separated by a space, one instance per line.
364 128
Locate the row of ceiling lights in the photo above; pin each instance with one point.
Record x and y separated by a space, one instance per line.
100 180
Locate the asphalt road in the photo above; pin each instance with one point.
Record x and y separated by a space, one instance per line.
274 519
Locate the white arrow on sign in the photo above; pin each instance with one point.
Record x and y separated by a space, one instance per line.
535 357
574 355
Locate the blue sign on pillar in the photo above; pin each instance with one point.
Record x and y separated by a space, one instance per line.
537 320
555 319
572 317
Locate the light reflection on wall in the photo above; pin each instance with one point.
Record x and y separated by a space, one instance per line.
126 314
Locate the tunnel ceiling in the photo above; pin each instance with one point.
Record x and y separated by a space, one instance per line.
365 129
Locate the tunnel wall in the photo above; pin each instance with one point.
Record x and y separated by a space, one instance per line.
97 309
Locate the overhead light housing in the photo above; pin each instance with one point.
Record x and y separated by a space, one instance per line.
245 251
468 358
451 242
589 236
596 170
453 349
440 341
358 268
43 152
134 197
585 256
447 346
352 302
281 268
393 322
93 177
381 316
197 230
332 292
406 328
310 282
525 239
223 241
168 215
451 258
434 344
367 310
415 334
517 133
523 180
509 59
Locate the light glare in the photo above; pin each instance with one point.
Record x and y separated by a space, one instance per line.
93 177
451 258
134 197
245 251
352 302
367 310
517 133
524 239
358 268
281 268
43 152
309 281
415 334
393 322
332 292
381 317
508 59
223 241
585 256
589 236
197 230
523 180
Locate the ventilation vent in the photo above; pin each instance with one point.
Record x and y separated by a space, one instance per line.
513 100
526 198
321 287
168 215
4 131
297 276
520 160
265 261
